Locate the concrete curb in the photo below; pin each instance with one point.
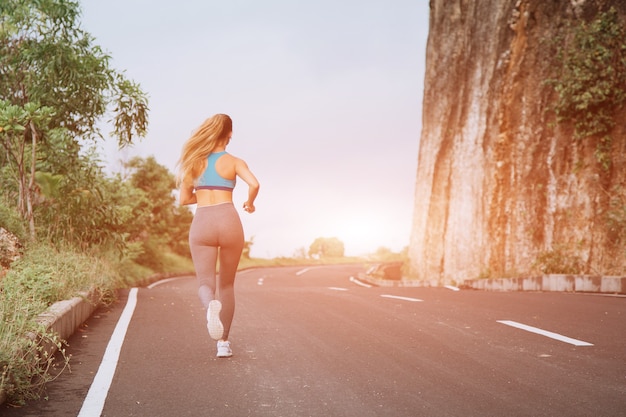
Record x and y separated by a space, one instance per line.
64 317
551 282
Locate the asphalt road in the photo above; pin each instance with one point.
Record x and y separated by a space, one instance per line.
312 342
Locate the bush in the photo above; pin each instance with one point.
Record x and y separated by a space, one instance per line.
49 274
558 261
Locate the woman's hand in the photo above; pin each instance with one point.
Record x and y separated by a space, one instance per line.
249 207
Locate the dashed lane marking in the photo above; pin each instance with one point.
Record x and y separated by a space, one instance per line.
452 287
94 402
401 298
302 271
337 289
546 333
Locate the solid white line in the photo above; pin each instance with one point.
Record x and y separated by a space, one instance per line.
362 284
546 333
401 298
337 289
94 402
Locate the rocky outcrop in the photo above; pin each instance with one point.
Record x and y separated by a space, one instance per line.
10 249
502 188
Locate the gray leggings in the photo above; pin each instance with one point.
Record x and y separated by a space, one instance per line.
217 227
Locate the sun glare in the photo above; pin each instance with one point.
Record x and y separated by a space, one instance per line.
361 233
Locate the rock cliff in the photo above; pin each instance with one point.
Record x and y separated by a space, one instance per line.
10 250
509 182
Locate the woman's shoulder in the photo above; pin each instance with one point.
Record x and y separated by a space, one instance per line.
229 162
224 157
233 158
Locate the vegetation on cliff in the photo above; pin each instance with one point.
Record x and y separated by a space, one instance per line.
591 78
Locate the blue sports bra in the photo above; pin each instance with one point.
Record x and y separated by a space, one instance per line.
211 180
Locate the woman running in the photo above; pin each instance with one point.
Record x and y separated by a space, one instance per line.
207 176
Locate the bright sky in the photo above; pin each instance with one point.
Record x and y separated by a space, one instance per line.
325 96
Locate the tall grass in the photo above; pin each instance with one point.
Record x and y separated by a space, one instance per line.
44 275
25 363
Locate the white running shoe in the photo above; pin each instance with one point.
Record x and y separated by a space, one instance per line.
223 349
213 322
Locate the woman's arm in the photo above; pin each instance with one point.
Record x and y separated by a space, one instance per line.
242 170
186 195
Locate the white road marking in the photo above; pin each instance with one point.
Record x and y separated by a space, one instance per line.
302 271
452 287
546 333
163 281
337 289
94 402
260 280
401 298
362 284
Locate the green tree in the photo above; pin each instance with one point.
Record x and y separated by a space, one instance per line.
165 223
247 246
17 124
158 185
55 85
83 207
327 247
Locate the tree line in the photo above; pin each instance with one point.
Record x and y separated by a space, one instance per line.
56 85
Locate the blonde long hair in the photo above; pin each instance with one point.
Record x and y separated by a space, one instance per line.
212 133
